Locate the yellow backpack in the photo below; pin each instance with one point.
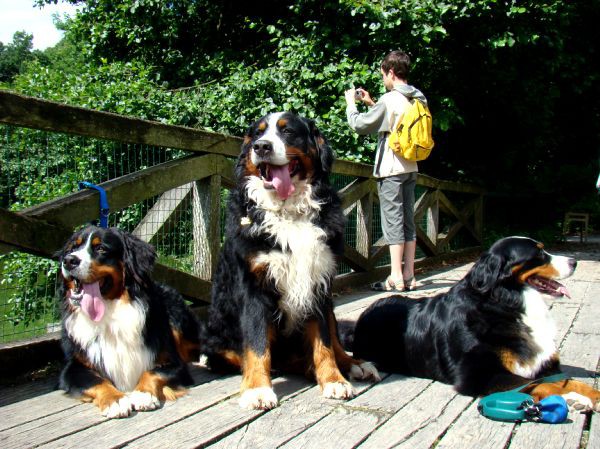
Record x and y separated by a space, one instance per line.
412 137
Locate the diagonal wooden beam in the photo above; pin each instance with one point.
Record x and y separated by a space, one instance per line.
160 213
37 237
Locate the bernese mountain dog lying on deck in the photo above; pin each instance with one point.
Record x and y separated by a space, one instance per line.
491 332
126 338
271 297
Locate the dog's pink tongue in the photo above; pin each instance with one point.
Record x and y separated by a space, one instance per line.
282 181
92 303
563 291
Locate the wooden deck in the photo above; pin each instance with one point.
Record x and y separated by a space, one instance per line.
396 412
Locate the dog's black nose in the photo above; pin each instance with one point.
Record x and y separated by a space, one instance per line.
262 148
71 262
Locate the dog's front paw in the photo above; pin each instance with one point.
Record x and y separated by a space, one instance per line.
143 401
364 371
338 390
579 403
262 398
121 408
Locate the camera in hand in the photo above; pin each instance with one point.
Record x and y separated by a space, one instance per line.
358 94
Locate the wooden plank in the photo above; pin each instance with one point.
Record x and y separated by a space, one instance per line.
29 112
344 428
30 234
428 181
354 259
471 430
186 284
115 432
391 394
204 428
355 191
80 207
364 224
28 410
420 423
356 169
206 206
530 435
160 212
594 433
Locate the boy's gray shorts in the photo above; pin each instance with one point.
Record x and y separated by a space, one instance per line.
397 204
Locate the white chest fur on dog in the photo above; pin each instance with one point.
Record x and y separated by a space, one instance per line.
543 330
305 264
115 344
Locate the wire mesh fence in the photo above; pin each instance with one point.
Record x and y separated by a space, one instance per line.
37 166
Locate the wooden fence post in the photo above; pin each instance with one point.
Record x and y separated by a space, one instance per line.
206 212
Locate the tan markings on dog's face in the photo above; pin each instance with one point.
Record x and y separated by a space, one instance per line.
281 123
96 241
100 273
262 126
540 245
247 140
251 168
546 271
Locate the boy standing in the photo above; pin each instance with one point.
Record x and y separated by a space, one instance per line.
396 176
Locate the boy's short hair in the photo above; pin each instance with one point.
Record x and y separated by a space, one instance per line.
398 61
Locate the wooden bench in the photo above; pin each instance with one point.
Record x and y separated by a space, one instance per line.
580 218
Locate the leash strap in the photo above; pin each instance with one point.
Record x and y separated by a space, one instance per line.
104 209
515 406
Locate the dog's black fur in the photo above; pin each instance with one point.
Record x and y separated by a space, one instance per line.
168 332
250 315
479 336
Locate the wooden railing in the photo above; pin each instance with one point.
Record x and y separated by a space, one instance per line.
42 229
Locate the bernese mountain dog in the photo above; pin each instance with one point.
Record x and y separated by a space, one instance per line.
490 332
271 296
126 338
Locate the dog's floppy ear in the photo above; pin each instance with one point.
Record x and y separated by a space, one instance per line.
487 273
323 149
245 152
139 258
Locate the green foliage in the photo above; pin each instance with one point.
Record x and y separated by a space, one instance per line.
31 283
14 56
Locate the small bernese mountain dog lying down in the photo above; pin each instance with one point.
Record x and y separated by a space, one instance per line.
271 297
491 332
126 338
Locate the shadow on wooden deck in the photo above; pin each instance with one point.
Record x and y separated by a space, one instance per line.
396 412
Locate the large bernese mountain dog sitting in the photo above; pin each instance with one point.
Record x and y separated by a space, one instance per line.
271 297
126 338
490 332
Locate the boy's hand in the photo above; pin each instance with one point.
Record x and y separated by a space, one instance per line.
365 97
350 98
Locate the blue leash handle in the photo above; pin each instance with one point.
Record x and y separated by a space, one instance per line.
104 209
515 406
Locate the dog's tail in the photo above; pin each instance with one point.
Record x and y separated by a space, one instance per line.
346 331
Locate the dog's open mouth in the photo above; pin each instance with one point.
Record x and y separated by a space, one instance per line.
88 297
279 177
548 286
